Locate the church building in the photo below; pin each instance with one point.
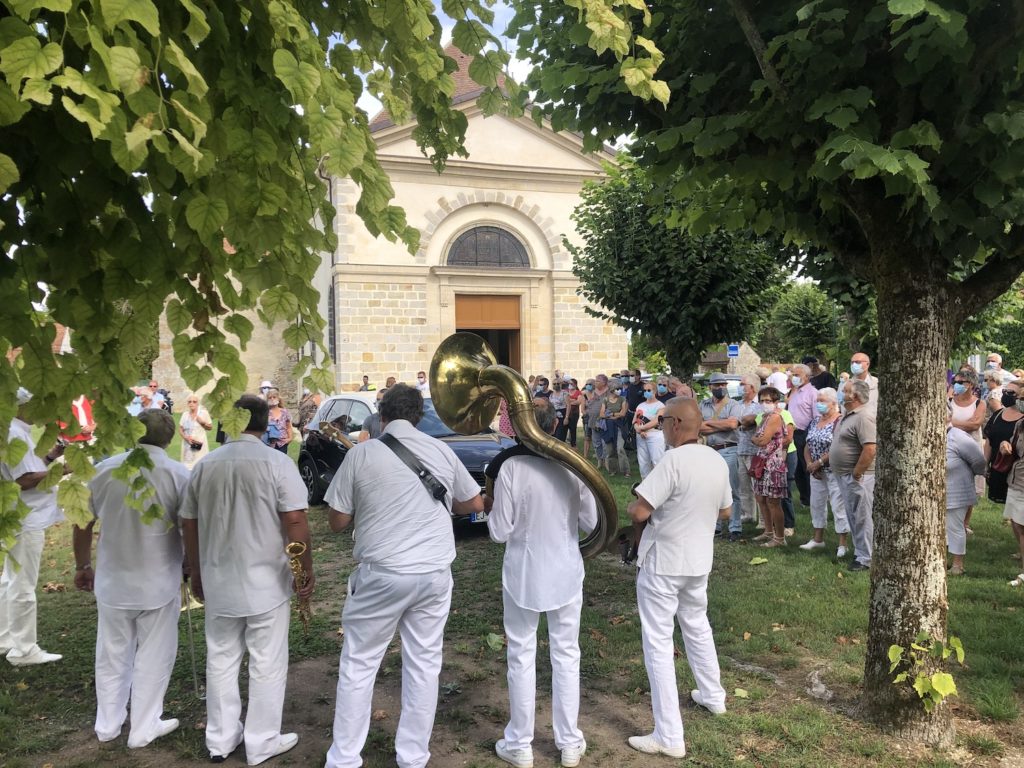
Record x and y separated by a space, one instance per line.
490 259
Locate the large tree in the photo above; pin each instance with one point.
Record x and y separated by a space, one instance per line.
886 134
172 153
683 292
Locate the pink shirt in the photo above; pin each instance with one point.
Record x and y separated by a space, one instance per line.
801 405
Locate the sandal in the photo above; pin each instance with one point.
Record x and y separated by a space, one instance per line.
766 536
774 543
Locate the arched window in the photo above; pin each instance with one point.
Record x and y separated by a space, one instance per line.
488 247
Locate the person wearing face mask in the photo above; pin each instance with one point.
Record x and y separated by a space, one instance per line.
860 365
664 393
999 429
1012 450
824 485
597 391
721 421
279 424
771 482
613 416
650 443
802 397
852 458
746 450
994 362
560 402
967 413
421 383
992 391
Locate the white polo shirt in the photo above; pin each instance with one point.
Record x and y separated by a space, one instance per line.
238 493
138 565
687 489
398 525
43 511
539 509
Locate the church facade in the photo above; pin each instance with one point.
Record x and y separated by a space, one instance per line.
491 260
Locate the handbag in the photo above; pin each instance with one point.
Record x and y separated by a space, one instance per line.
195 445
1003 462
757 465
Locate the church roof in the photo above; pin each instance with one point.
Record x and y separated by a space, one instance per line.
466 89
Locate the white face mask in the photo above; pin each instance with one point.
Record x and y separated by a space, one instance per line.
797 380
856 368
769 407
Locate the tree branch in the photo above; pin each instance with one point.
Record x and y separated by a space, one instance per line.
989 282
750 31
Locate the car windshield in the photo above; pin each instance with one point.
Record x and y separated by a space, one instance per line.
431 423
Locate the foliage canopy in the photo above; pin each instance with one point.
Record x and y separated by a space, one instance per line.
172 149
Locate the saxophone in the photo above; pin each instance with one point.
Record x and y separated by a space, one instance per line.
295 550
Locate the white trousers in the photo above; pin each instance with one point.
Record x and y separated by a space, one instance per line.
956 532
265 636
685 599
824 492
649 450
563 639
18 594
380 601
747 501
135 653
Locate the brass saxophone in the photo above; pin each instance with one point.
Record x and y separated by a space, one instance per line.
466 383
295 550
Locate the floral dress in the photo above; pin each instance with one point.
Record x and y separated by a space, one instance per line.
772 482
277 431
819 438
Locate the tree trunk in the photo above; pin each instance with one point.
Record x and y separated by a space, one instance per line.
908 574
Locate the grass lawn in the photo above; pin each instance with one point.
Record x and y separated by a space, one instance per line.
775 623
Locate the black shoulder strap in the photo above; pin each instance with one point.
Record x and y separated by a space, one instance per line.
409 459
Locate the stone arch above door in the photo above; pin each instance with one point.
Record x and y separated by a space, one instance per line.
454 215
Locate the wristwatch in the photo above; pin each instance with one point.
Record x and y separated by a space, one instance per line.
86 567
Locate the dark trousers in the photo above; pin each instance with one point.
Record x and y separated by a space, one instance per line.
787 501
560 427
803 480
574 421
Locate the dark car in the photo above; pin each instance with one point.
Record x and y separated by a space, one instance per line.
336 426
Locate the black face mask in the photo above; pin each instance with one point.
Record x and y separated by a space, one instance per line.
719 393
1009 398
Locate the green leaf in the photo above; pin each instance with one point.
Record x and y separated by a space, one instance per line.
495 642
37 90
126 69
142 12
958 648
300 78
895 654
197 28
73 498
11 108
741 693
923 685
206 215
8 173
279 304
196 83
24 8
906 7
758 561
241 327
26 57
943 684
178 317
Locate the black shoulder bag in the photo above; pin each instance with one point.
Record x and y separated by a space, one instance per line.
434 487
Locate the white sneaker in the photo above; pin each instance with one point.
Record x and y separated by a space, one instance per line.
1019 581
841 552
812 544
36 656
163 728
789 532
714 709
571 755
520 758
288 740
649 745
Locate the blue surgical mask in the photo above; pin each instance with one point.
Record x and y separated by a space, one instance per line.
959 389
662 389
991 365
797 380
856 368
589 387
822 408
648 394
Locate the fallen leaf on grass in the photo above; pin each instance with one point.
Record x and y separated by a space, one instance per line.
21 685
855 641
602 653
746 635
676 653
380 714
741 693
54 586
495 642
843 640
758 560
776 627
341 631
616 620
839 575
598 637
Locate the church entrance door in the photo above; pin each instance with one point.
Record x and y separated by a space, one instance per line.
496 319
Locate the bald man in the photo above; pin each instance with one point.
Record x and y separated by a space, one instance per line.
683 497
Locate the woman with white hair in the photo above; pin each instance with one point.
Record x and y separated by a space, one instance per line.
824 485
650 442
195 423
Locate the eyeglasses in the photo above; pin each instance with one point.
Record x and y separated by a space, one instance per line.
153 386
663 419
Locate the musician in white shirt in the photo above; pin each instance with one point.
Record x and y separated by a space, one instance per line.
539 508
679 503
136 582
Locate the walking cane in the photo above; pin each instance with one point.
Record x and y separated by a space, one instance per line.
186 595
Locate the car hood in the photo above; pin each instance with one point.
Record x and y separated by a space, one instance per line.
476 451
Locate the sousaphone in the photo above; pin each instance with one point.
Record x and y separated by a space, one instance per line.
467 383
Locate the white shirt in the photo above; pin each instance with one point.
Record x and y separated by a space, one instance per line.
687 489
780 381
238 493
539 509
42 505
398 525
423 386
138 565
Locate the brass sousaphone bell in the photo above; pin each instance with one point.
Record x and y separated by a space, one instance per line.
466 383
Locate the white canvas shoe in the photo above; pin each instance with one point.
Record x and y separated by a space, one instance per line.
36 656
519 758
651 746
812 544
841 552
287 742
714 709
163 728
571 755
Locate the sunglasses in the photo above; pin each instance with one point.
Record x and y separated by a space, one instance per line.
663 419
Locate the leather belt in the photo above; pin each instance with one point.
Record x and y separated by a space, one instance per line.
723 446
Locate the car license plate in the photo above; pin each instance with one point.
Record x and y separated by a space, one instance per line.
477 517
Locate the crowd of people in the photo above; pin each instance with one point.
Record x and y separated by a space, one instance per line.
707 466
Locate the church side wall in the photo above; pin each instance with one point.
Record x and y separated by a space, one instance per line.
584 345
